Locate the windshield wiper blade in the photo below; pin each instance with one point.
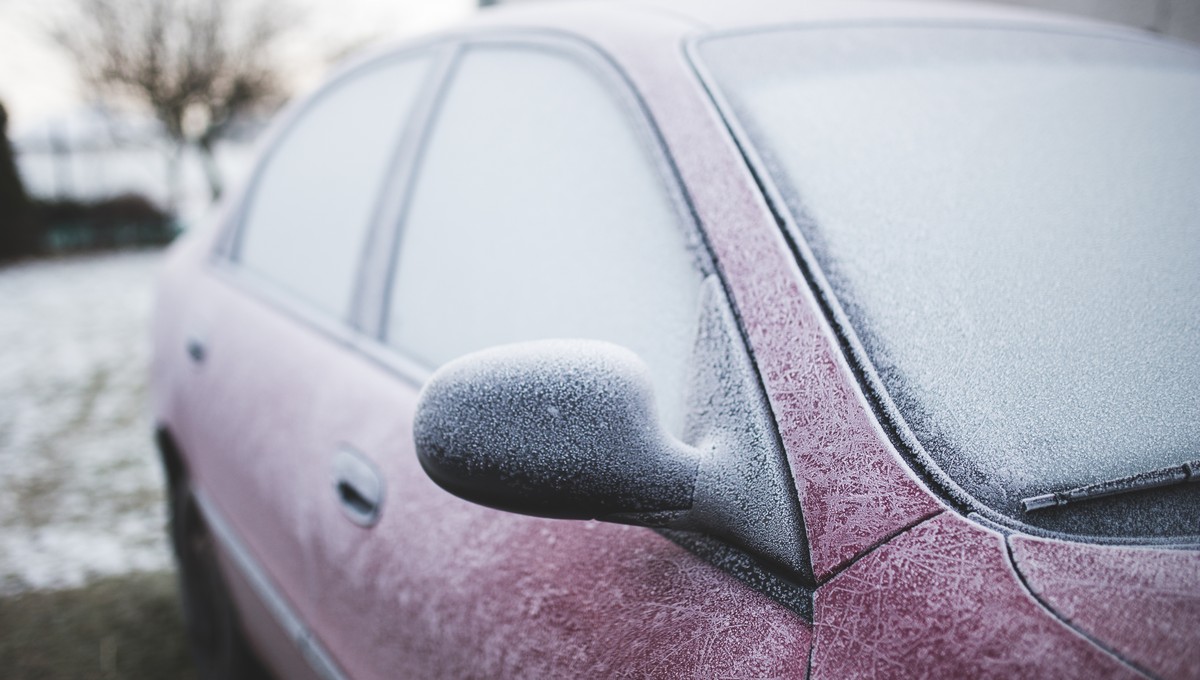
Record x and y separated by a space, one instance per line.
1168 476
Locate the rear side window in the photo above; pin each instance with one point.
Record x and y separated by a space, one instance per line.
541 210
307 217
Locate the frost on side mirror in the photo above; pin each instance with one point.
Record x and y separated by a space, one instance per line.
569 429
556 428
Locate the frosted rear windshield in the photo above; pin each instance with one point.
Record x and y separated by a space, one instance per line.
1010 222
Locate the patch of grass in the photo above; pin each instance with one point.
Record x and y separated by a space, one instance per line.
111 629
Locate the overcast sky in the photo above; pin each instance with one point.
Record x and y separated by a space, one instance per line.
36 80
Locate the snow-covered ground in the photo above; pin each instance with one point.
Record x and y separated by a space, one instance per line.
80 484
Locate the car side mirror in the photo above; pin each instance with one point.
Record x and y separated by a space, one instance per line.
569 429
557 428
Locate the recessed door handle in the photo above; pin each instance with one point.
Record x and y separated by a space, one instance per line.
358 485
354 499
196 350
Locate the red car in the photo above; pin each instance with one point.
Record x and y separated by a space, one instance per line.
762 340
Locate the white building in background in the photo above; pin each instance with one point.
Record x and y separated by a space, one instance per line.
93 153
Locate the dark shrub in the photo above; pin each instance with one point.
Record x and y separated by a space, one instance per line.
117 222
17 236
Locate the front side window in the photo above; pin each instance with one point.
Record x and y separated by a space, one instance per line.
1010 221
307 217
540 211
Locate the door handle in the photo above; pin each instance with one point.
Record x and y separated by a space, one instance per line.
358 485
196 350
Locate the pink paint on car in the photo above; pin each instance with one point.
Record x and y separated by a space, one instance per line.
687 340
917 604
1140 601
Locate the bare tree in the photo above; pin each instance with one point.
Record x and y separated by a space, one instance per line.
197 65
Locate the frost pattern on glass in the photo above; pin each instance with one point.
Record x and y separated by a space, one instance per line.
540 213
1143 603
942 601
1011 223
310 208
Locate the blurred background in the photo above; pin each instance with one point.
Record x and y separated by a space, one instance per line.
122 123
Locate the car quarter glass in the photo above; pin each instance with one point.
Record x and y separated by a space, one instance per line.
1008 220
541 211
305 222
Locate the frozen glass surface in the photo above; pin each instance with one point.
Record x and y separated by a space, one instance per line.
1011 222
539 212
309 212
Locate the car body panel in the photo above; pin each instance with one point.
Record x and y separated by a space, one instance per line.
276 634
1144 602
268 471
257 461
440 587
249 463
444 588
914 606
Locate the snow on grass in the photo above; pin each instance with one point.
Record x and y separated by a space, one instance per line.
80 484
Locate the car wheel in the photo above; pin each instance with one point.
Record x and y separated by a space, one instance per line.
220 649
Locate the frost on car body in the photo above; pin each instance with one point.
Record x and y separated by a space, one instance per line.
657 343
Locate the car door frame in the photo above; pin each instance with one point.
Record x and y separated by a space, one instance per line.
362 332
221 264
383 242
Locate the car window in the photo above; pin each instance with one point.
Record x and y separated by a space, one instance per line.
1011 223
307 217
541 211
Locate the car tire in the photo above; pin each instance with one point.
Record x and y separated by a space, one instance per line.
219 647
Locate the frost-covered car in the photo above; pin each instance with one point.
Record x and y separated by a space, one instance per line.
760 340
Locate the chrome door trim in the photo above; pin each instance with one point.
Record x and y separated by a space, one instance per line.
310 648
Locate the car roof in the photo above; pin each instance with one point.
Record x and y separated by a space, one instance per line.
623 28
585 17
722 14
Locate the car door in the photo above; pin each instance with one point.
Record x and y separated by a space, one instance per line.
273 314
541 206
